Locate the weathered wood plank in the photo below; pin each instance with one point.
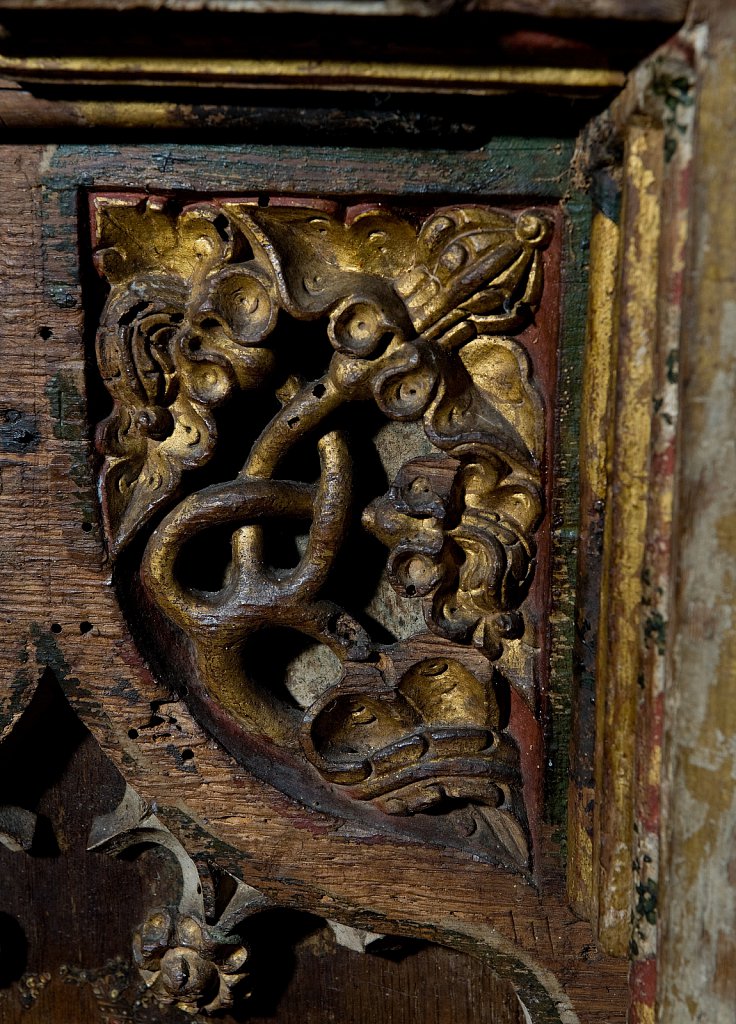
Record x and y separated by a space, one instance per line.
22 459
527 168
698 898
657 574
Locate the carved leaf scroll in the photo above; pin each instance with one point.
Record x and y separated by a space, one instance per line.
180 331
204 300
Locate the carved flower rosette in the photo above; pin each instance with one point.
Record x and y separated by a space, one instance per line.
321 484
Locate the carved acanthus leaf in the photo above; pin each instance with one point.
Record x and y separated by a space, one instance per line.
180 331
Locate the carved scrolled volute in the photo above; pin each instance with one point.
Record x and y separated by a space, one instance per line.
471 261
259 339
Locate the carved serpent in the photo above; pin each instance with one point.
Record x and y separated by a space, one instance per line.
414 322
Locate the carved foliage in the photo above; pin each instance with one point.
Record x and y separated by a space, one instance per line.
187 962
418 321
179 331
187 956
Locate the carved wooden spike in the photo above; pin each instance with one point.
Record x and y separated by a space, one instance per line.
418 321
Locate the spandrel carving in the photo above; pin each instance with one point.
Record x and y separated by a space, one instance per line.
287 336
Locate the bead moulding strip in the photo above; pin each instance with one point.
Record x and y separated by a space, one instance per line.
399 77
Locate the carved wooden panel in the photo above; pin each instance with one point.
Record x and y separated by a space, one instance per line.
295 645
373 387
309 431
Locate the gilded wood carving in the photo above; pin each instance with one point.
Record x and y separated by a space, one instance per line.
247 349
189 955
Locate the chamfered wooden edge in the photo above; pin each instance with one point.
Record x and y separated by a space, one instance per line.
628 450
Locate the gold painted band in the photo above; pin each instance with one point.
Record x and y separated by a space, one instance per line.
320 74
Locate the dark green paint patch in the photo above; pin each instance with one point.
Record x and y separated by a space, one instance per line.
19 432
583 768
674 89
60 294
559 838
59 246
184 759
50 655
67 407
21 681
647 895
605 192
565 511
655 631
194 837
673 365
69 416
525 167
658 406
125 689
163 162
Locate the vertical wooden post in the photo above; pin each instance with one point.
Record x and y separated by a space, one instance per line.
595 413
697 978
625 535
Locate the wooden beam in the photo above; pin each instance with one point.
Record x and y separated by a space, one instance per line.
698 898
623 10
